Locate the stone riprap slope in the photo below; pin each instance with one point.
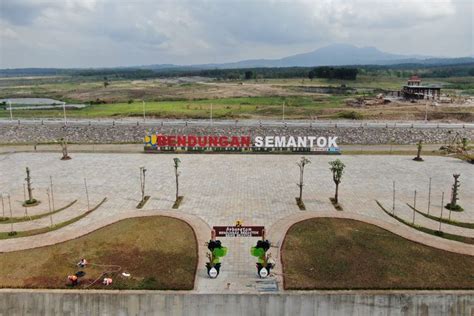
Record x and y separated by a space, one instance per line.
108 134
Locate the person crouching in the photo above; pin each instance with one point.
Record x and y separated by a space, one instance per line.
82 263
73 279
107 281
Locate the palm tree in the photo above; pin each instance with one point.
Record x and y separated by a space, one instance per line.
419 146
337 169
176 165
303 162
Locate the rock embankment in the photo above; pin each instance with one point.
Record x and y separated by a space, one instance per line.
109 134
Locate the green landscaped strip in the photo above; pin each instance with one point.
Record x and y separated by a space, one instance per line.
7 235
443 220
9 220
407 152
463 239
236 107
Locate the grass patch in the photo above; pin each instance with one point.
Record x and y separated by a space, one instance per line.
178 201
466 240
26 233
8 220
454 208
330 253
241 107
146 248
466 157
443 220
30 203
351 115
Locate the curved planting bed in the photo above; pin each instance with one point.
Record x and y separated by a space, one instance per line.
443 220
330 253
148 250
463 239
26 233
9 220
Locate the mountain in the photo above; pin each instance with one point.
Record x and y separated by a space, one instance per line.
332 55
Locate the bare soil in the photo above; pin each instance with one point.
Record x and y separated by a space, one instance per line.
143 247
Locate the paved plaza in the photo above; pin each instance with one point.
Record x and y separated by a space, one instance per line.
220 189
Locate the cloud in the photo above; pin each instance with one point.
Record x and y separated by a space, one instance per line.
26 12
121 32
390 14
21 12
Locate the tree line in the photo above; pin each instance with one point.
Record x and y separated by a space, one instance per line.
349 72
333 73
327 72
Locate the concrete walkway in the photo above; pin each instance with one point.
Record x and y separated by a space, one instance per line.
138 148
219 189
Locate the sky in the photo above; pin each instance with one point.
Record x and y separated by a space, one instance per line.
107 33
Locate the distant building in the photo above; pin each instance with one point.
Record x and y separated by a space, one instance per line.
414 81
414 90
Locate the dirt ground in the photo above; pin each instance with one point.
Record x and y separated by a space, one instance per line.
347 254
337 104
142 247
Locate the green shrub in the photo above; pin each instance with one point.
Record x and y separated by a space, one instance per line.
352 115
455 208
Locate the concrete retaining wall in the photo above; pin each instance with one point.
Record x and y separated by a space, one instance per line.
28 302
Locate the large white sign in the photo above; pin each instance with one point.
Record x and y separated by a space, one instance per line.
258 143
295 142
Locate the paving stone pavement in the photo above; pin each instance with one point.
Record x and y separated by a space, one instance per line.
219 189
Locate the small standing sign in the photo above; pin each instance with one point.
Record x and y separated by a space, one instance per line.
239 231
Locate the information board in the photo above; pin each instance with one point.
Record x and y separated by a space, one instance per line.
239 231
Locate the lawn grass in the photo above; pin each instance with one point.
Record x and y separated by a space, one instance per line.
330 253
244 107
145 247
